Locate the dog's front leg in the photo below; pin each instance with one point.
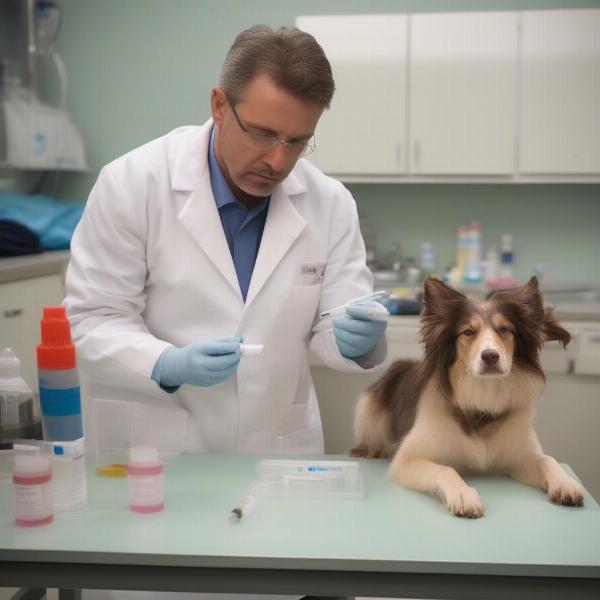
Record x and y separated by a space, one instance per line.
442 481
544 472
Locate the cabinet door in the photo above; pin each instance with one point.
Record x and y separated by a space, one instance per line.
560 98
462 93
21 307
364 130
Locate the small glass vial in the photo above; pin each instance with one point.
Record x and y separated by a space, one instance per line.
145 475
33 489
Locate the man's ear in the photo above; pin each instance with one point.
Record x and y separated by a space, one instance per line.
438 294
553 330
218 105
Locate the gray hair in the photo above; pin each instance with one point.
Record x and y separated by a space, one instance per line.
291 57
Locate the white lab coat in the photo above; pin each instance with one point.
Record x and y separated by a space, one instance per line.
150 268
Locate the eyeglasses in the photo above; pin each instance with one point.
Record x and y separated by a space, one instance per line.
266 142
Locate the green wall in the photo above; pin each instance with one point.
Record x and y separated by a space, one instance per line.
138 68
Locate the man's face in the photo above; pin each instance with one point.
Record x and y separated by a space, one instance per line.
264 110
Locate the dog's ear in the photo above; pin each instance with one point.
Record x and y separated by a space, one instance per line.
527 298
437 295
552 328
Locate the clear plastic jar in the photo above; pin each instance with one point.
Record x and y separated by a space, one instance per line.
145 475
33 489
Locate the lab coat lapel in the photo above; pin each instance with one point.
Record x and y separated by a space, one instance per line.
201 219
283 226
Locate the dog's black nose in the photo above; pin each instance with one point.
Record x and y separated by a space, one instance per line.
490 357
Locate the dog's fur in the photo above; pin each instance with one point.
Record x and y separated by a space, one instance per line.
468 406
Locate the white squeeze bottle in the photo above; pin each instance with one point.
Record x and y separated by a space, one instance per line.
17 419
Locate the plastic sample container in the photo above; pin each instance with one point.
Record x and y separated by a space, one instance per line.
32 489
145 475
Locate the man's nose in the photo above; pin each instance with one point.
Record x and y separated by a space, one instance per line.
277 158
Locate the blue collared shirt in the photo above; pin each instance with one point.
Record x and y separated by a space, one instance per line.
243 227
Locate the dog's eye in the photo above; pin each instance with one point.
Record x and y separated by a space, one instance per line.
503 330
469 332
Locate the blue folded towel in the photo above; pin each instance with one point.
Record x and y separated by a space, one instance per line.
52 220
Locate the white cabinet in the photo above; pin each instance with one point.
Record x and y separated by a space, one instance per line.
467 96
21 307
462 93
560 92
365 128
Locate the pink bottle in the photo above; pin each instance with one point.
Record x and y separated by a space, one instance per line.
33 489
145 475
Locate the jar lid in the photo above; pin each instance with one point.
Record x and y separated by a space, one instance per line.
144 455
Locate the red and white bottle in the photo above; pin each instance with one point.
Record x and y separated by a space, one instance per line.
145 475
32 489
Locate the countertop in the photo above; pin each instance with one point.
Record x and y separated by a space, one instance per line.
33 265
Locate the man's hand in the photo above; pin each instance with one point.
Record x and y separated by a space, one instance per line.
203 364
359 331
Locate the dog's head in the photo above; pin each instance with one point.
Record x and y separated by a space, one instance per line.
487 338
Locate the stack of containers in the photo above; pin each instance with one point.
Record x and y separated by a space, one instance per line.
60 405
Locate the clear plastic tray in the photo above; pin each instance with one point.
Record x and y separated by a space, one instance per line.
309 478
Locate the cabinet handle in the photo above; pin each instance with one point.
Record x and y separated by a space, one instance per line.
12 313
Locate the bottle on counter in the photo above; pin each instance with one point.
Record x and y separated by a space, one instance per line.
32 489
427 260
60 404
492 265
17 415
505 273
145 476
473 267
60 397
462 250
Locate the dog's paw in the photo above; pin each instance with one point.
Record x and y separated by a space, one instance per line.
465 502
566 492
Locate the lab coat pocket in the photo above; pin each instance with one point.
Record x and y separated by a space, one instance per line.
305 304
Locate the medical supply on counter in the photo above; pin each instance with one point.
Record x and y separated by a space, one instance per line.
67 462
116 426
506 260
309 478
462 252
427 260
69 481
17 410
145 476
252 350
245 506
60 398
32 482
377 296
301 479
492 265
473 267
113 470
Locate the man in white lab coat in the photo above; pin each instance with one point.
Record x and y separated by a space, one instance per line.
214 234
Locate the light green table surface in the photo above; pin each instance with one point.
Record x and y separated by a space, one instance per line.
391 531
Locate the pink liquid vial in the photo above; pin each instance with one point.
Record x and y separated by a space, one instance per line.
145 476
32 489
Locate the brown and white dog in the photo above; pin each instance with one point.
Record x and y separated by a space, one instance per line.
468 406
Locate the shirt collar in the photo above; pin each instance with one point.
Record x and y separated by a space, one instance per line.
220 188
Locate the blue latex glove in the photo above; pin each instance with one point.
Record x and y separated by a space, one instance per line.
203 363
356 334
